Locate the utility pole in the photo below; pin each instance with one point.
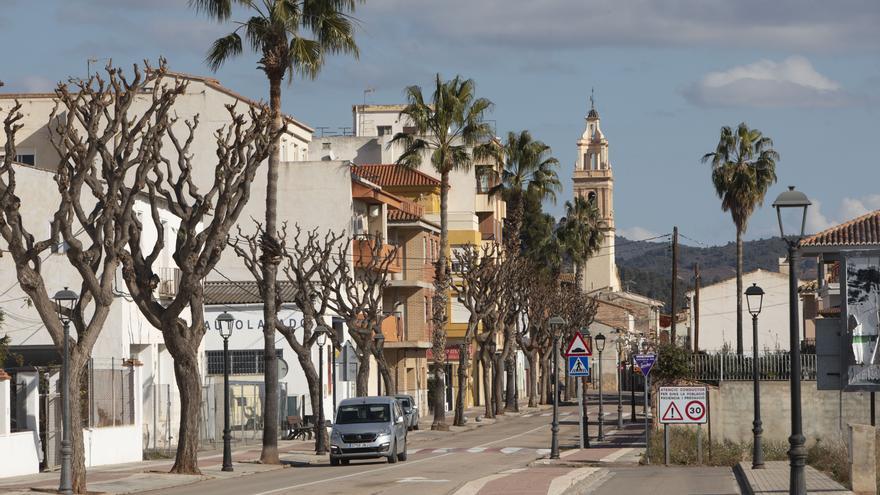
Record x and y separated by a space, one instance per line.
696 308
674 281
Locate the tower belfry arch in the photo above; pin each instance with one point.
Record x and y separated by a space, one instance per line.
594 180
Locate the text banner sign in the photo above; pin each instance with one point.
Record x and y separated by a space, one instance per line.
683 405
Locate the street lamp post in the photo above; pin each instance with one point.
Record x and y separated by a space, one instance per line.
320 446
65 301
620 367
600 346
226 322
379 339
754 299
792 200
556 324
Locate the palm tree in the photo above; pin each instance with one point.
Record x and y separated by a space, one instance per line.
743 168
292 38
449 127
527 167
580 233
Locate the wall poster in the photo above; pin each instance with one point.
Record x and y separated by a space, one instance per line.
862 320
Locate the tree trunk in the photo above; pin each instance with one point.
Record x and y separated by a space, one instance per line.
546 378
362 383
441 297
533 378
316 393
269 454
739 291
579 276
513 223
485 363
498 384
186 374
566 394
510 404
388 382
462 386
78 453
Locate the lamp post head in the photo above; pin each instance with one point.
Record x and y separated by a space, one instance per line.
322 333
788 201
65 300
556 323
226 321
600 342
754 299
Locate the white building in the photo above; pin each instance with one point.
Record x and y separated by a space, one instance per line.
717 313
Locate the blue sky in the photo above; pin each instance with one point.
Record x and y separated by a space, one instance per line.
667 76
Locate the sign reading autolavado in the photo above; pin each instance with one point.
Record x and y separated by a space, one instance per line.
683 405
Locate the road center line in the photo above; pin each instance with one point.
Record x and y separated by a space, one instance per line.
352 475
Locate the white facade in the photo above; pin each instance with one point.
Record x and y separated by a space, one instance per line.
718 314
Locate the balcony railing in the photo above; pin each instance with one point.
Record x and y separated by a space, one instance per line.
362 254
169 281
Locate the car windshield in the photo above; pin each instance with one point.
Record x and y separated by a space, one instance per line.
407 407
363 413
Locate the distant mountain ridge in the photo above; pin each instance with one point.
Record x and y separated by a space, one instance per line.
646 267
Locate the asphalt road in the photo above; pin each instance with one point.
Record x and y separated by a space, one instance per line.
439 463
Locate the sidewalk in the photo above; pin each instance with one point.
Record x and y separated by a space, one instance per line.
774 479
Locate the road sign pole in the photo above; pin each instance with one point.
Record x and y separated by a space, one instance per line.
586 413
700 444
647 430
580 391
666 444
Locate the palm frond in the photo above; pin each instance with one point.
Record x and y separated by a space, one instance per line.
222 50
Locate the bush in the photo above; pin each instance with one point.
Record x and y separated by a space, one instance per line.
673 363
832 458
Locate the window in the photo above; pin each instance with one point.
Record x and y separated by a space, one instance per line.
363 413
427 309
325 146
591 197
425 248
241 362
26 156
483 184
594 161
384 130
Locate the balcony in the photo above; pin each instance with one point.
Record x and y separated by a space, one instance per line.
362 255
169 281
392 328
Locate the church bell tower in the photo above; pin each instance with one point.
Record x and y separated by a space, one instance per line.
594 180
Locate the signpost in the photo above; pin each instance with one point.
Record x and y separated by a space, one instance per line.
578 354
683 406
645 362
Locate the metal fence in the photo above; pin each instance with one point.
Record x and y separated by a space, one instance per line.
734 367
110 393
246 401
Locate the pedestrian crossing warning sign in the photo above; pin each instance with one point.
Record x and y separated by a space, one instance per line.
578 366
672 413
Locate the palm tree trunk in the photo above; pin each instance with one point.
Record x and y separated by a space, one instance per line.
739 291
441 298
269 454
513 224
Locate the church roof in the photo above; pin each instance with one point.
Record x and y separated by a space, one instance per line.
593 115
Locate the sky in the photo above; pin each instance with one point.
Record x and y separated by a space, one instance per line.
666 74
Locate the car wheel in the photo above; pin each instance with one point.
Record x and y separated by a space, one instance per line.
334 461
402 456
392 458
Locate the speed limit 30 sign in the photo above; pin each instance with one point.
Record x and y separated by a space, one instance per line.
683 405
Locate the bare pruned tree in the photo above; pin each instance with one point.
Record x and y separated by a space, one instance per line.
166 179
475 278
535 337
358 300
308 257
98 143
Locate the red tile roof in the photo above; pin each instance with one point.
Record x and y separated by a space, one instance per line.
861 231
398 215
390 175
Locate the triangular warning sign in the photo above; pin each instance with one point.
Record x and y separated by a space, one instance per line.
578 367
672 413
578 346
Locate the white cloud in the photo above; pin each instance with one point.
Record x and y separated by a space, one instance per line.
849 208
816 220
636 233
793 82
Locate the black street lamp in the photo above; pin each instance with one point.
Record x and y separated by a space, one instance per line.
556 324
792 200
754 299
65 301
600 346
321 338
226 321
379 339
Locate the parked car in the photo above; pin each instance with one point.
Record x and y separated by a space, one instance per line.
366 428
410 410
